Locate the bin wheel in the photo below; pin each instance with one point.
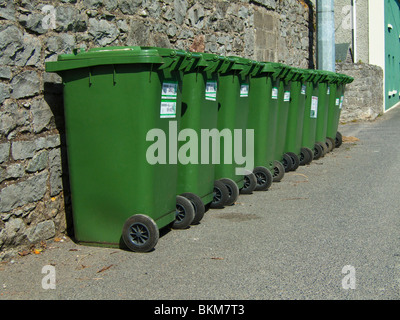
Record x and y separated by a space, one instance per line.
318 151
140 233
295 160
333 142
338 140
329 144
221 195
306 156
233 191
198 205
250 184
264 178
324 147
184 213
279 171
287 162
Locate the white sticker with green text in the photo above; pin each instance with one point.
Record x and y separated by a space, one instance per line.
286 96
244 90
314 107
275 93
211 90
169 94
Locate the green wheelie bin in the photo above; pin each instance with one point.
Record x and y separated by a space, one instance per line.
326 83
199 114
233 109
335 108
262 120
117 102
289 160
295 120
311 114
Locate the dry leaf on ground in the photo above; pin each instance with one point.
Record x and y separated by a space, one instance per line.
349 139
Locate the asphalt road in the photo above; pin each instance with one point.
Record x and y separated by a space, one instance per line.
291 242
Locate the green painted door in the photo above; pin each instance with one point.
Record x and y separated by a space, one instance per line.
392 51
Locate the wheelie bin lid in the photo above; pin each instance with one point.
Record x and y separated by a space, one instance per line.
295 74
203 61
308 75
80 58
332 77
345 79
273 69
234 63
319 76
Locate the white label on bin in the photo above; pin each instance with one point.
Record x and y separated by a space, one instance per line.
328 91
314 107
275 93
337 101
286 97
168 109
169 90
341 102
211 90
303 89
244 90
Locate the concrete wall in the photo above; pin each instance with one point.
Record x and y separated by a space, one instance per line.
344 27
34 191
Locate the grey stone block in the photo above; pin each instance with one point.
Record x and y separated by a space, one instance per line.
4 92
12 116
56 184
25 84
21 193
38 162
21 150
5 72
103 32
4 151
42 231
41 115
129 6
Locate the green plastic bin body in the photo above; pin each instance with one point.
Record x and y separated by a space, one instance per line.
336 104
284 97
334 109
323 106
296 113
263 111
311 110
233 110
199 112
114 97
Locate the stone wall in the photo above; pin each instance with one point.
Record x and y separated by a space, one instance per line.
363 99
34 192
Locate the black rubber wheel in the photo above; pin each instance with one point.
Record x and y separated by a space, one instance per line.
198 205
324 147
140 233
333 142
295 160
278 172
221 195
318 151
233 191
184 213
264 178
306 156
250 184
287 162
338 140
329 145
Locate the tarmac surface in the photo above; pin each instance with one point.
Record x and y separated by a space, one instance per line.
329 231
